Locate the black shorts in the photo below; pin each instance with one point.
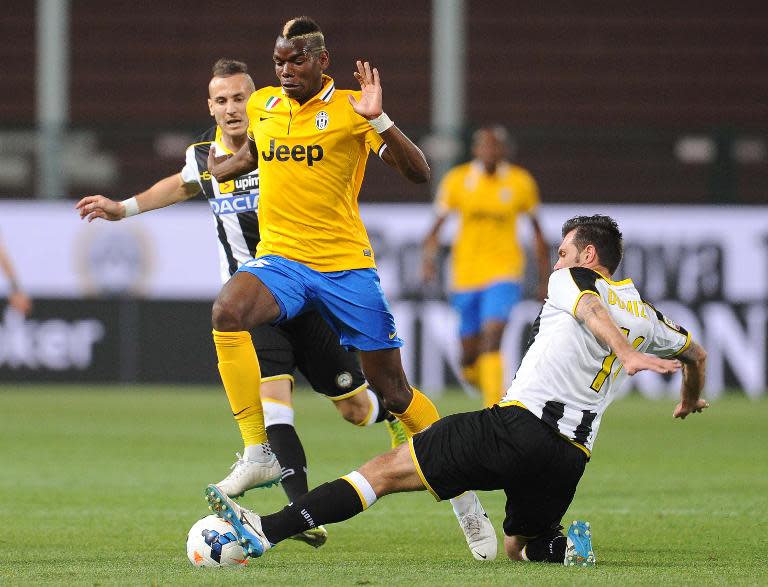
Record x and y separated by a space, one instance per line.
308 344
502 448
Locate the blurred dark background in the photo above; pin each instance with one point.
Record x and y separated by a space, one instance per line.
607 102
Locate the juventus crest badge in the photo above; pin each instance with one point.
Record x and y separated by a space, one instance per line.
321 120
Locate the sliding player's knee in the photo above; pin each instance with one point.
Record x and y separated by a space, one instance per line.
392 472
514 548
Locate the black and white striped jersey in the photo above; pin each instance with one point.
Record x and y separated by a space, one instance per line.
567 378
234 203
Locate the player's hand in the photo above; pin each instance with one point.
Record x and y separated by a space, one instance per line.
214 161
20 302
369 106
93 207
636 361
683 409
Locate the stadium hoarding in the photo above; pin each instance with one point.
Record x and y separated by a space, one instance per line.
118 340
706 267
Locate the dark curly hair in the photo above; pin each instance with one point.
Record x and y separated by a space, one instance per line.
600 231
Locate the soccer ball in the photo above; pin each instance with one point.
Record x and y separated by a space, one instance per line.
212 542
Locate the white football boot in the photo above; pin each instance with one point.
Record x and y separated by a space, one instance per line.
246 524
261 471
477 528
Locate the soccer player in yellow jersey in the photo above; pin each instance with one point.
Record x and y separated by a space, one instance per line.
488 194
305 343
311 141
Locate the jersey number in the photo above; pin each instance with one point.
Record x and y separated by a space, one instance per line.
605 371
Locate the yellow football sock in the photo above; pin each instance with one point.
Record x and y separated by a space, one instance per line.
419 414
470 375
241 376
491 375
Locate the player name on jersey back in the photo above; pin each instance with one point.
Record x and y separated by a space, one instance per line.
567 377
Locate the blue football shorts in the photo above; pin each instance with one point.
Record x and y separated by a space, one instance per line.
352 301
476 307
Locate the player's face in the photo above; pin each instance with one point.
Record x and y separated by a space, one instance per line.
567 253
299 70
488 149
227 98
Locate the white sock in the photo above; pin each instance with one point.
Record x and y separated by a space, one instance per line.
374 413
466 503
523 554
364 490
276 413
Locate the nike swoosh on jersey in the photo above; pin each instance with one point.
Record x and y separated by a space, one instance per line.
262 118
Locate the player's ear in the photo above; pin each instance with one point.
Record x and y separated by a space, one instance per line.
325 59
590 254
210 106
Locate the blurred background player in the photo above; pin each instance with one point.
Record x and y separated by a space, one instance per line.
311 142
17 299
488 194
536 443
306 342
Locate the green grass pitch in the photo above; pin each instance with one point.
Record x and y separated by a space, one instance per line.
99 486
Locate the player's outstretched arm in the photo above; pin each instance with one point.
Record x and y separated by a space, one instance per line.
229 167
596 318
401 152
165 192
694 360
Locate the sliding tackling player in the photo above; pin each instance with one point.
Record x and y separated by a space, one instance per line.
591 333
310 141
305 343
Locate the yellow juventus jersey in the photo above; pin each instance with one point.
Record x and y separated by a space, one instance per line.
486 249
311 163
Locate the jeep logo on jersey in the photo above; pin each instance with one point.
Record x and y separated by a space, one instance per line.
321 120
308 153
235 204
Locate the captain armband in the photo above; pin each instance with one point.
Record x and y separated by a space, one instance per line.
381 123
131 207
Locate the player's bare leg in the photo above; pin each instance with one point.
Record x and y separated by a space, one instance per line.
385 372
244 302
366 409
